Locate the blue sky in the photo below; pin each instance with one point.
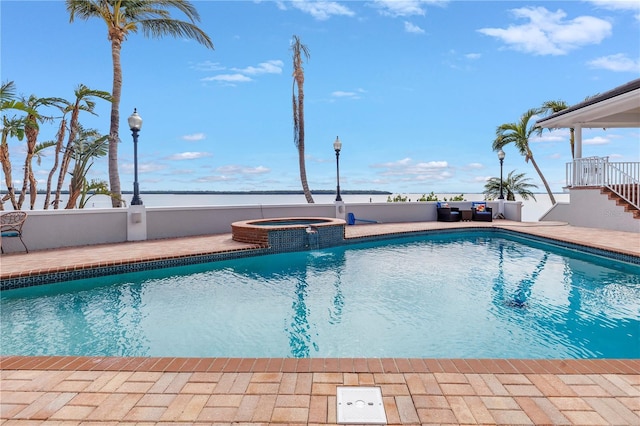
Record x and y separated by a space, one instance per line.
414 89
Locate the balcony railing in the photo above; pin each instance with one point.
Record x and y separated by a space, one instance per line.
623 178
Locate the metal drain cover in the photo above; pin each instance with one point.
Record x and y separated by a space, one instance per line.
362 405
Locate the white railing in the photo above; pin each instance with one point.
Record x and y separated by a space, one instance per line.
623 178
588 171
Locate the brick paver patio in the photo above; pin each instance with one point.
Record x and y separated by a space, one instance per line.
225 391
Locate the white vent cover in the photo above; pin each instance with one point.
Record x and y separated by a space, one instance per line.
361 405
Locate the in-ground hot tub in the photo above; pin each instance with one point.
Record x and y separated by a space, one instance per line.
290 233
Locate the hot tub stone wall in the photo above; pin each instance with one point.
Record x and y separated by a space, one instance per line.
326 232
297 239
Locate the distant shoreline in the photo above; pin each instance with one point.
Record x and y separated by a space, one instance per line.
272 192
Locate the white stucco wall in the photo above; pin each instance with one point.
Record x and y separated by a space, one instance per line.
49 229
591 209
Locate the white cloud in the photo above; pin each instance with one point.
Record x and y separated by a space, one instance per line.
556 135
341 94
321 10
406 170
228 78
473 56
632 5
413 29
618 62
194 137
597 140
270 67
397 8
188 156
550 33
143 167
207 66
242 170
475 166
215 179
273 66
400 163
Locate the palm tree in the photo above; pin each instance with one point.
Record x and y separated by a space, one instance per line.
88 144
551 107
38 153
123 17
514 184
83 103
32 129
299 49
11 127
65 107
519 134
91 189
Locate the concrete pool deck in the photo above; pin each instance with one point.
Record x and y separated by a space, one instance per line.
86 390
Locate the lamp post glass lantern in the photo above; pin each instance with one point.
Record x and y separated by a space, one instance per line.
501 155
135 124
337 146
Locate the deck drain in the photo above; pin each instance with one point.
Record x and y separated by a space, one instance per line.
361 405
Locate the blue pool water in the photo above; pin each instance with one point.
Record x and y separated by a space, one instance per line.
469 295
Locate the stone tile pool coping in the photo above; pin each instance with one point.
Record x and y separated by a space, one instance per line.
127 259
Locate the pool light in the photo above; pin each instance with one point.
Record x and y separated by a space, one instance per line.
135 124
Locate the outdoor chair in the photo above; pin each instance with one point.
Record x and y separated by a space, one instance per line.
11 226
447 214
480 212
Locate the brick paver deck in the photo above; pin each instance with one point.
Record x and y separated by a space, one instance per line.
86 390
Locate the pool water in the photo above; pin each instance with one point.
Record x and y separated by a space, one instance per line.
467 295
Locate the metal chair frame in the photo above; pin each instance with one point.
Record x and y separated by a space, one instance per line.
11 226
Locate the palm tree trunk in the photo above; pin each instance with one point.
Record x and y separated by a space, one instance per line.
66 157
33 190
301 159
31 132
572 141
25 182
6 168
544 181
114 138
60 138
75 188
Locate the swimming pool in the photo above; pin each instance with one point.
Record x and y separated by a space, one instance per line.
456 295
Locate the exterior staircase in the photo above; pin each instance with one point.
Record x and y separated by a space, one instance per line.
628 207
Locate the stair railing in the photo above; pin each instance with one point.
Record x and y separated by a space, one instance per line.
624 180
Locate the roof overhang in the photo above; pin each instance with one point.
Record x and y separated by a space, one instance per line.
619 107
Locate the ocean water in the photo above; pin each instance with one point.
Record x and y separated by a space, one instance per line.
532 210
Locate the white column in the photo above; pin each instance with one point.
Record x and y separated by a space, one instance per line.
341 211
577 164
577 133
136 223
